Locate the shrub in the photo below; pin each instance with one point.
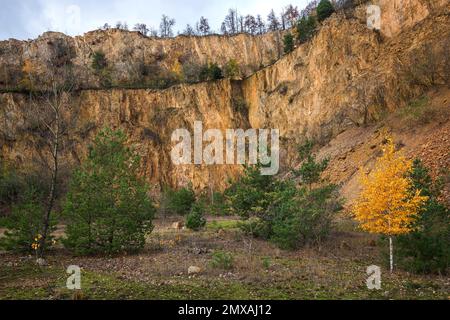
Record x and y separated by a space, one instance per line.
195 220
211 72
304 218
305 29
288 42
324 10
232 69
24 225
288 215
107 208
248 196
257 228
99 61
222 260
426 249
191 72
179 202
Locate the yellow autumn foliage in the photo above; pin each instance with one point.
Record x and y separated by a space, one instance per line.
386 204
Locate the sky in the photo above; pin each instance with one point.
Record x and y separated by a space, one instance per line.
27 19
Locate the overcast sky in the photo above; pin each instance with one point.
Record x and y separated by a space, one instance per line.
26 19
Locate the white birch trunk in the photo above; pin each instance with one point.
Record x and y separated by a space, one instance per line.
391 254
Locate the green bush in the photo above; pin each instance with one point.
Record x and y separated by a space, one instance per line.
306 28
426 249
195 220
248 196
179 202
24 225
324 10
282 212
99 61
288 42
257 228
222 260
304 218
232 69
107 208
211 72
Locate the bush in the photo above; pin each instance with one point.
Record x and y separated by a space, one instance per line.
179 202
232 69
257 228
107 208
305 217
248 196
191 72
99 61
288 215
222 260
324 10
305 29
288 42
195 220
211 72
426 250
24 225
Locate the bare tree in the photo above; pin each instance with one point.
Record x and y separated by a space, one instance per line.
141 28
260 25
189 31
231 23
273 22
166 26
291 15
121 25
203 27
250 24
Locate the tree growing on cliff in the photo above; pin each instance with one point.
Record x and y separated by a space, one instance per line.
203 27
324 10
306 28
166 27
273 22
288 42
388 203
141 28
107 207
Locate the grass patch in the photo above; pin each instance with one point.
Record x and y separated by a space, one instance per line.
222 225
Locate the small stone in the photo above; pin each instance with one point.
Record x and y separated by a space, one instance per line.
41 262
194 270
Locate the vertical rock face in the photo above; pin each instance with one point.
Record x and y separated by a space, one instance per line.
344 77
128 53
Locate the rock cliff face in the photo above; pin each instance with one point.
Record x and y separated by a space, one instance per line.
128 53
345 77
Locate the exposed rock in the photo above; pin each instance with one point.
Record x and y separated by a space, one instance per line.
41 262
177 225
193 270
345 77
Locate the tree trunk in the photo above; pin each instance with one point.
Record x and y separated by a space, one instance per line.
391 254
51 199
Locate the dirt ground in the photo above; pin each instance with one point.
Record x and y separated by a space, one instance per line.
334 270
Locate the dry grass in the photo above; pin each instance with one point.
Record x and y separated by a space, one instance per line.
334 270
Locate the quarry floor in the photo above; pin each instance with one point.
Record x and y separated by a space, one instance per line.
334 270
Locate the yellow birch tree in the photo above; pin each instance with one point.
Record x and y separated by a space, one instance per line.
388 204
